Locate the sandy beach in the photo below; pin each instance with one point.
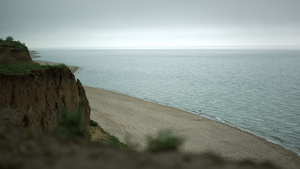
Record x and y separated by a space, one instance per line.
131 119
127 117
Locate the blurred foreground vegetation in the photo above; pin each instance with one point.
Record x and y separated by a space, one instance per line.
165 140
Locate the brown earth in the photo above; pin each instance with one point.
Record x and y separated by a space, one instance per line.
42 95
97 135
10 55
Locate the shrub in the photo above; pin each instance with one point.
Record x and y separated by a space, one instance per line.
164 141
71 125
9 39
93 123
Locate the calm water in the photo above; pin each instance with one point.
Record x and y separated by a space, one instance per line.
255 90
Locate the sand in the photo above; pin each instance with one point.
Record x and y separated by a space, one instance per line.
131 119
127 117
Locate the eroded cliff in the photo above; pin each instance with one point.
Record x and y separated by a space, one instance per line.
41 96
10 55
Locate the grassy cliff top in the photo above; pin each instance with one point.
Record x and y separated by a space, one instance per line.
13 44
24 69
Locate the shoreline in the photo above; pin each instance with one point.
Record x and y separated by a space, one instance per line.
209 118
142 118
34 55
128 117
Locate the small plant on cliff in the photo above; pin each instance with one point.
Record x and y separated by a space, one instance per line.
164 141
93 123
58 66
71 125
9 39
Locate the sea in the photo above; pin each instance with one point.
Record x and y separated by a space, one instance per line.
255 90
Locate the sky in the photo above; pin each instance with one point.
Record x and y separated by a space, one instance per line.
151 23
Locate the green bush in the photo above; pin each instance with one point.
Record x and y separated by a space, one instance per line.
164 141
9 39
93 123
71 125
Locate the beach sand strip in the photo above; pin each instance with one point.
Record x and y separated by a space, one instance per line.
34 54
72 68
128 117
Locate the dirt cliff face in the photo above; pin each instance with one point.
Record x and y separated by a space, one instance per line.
42 94
10 55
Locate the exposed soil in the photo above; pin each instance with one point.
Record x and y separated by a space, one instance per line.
10 55
42 95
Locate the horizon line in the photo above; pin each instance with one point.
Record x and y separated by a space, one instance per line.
172 47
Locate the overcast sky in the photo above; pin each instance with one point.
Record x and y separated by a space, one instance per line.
151 23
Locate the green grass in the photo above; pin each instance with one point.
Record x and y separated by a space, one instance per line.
71 125
25 68
13 44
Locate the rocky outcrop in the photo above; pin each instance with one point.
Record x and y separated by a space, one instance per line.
42 95
9 55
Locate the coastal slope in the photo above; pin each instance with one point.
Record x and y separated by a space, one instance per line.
42 95
125 116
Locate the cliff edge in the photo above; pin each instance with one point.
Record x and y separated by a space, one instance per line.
41 95
11 55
